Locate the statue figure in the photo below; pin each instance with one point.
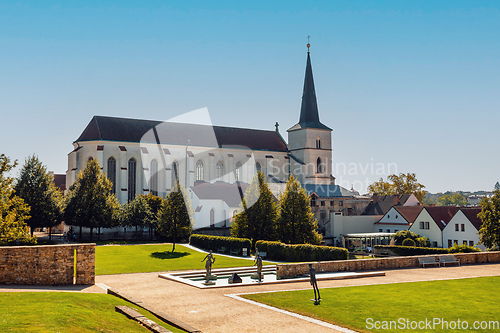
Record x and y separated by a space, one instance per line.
208 264
312 276
258 262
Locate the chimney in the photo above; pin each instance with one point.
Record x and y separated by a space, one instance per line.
375 197
396 200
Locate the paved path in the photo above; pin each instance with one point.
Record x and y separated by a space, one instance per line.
210 310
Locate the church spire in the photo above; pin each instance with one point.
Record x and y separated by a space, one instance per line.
309 115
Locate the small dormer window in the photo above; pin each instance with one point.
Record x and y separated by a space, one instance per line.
396 216
388 216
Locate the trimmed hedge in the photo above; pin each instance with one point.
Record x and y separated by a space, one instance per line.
419 251
221 244
301 252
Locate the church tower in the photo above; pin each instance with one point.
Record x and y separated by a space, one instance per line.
309 141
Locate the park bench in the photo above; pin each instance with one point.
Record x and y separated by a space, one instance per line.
448 260
262 254
234 252
427 261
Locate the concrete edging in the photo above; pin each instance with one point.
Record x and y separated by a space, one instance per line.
163 316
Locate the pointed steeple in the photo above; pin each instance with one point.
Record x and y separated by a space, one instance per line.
309 115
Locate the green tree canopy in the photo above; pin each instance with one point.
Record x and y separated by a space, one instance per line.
497 186
401 235
296 222
89 202
36 187
137 213
257 221
13 210
489 233
174 217
456 199
399 184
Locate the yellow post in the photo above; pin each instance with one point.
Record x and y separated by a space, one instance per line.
74 267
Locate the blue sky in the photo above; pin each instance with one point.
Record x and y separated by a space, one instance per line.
411 83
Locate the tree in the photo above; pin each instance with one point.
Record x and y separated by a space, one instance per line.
13 210
489 233
257 221
456 200
137 213
401 235
174 217
296 222
154 203
36 187
398 185
89 202
497 186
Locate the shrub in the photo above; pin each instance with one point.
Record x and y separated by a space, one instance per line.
462 249
400 236
408 242
410 250
301 252
216 243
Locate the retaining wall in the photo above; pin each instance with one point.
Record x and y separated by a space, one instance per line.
47 264
284 271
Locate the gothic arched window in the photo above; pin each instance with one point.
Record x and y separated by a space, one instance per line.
153 180
212 218
239 172
175 173
199 170
132 178
220 170
258 167
319 166
112 173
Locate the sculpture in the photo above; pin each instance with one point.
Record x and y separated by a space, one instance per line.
312 277
208 264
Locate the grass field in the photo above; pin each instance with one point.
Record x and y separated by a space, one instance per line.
67 312
119 259
469 300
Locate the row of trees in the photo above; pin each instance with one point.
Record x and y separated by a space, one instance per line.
33 200
289 220
13 210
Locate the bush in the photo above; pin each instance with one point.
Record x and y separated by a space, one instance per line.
216 243
410 250
463 249
400 236
301 252
408 242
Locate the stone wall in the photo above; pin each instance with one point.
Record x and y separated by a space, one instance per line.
284 271
47 264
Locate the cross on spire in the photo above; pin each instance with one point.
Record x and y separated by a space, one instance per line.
308 45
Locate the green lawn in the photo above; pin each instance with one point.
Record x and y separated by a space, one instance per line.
119 259
466 299
67 312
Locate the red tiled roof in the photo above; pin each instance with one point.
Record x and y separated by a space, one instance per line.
471 214
409 213
442 214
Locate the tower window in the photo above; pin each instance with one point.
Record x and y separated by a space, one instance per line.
319 166
318 143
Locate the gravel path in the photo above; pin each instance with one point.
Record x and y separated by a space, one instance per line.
210 310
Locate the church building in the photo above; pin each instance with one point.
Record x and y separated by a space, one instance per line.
215 163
